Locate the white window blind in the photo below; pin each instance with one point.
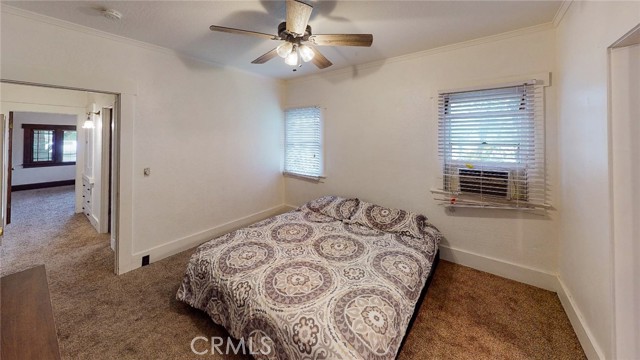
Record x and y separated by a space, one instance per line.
303 142
491 145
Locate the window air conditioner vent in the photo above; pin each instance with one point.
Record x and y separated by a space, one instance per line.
490 183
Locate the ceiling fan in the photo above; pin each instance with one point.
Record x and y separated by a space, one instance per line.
298 40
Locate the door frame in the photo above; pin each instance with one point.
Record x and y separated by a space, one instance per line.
3 176
105 171
625 255
7 219
115 164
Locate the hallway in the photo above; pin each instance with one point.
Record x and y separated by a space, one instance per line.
45 230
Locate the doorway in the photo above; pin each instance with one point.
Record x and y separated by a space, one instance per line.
88 180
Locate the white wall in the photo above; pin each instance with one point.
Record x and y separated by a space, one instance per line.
585 246
381 131
22 175
211 135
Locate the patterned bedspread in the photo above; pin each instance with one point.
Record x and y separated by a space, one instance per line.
317 287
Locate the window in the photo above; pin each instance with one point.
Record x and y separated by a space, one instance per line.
49 145
491 145
303 142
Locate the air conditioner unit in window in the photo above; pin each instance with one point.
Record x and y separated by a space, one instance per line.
502 184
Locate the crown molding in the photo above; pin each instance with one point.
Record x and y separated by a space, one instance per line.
345 70
81 28
8 9
424 53
562 10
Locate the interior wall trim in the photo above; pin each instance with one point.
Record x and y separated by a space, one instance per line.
290 207
583 332
42 185
105 35
562 10
535 277
179 245
348 72
524 274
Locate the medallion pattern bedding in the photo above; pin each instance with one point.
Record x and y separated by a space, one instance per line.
315 286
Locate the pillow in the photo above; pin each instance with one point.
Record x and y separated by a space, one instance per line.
334 206
390 220
433 233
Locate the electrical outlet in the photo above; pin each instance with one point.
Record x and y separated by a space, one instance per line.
147 171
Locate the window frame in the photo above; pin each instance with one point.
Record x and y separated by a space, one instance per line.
321 172
455 197
58 144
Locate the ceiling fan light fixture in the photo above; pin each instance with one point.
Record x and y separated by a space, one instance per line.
306 53
284 50
295 33
292 58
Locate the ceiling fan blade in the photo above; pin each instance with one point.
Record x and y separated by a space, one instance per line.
319 60
342 40
298 14
242 32
266 57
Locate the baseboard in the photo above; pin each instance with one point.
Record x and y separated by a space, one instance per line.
585 336
290 207
176 246
534 277
520 273
42 185
95 222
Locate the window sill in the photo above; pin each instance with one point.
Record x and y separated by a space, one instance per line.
314 179
451 200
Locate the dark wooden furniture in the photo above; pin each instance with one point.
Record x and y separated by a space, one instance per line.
28 329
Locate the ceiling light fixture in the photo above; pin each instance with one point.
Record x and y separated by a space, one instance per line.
306 53
296 33
294 54
112 14
89 124
293 58
284 50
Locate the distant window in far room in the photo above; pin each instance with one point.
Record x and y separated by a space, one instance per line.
49 145
303 142
69 145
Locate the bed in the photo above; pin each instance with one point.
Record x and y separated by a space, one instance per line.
337 278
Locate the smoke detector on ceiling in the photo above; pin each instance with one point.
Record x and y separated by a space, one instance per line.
112 14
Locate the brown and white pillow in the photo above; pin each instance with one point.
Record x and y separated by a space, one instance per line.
335 206
390 220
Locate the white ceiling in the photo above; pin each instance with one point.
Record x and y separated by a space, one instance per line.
398 27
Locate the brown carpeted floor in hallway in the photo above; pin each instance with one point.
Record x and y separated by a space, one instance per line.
467 314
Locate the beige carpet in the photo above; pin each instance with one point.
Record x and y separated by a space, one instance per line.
467 314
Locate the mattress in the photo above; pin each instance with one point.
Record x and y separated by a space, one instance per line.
303 285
